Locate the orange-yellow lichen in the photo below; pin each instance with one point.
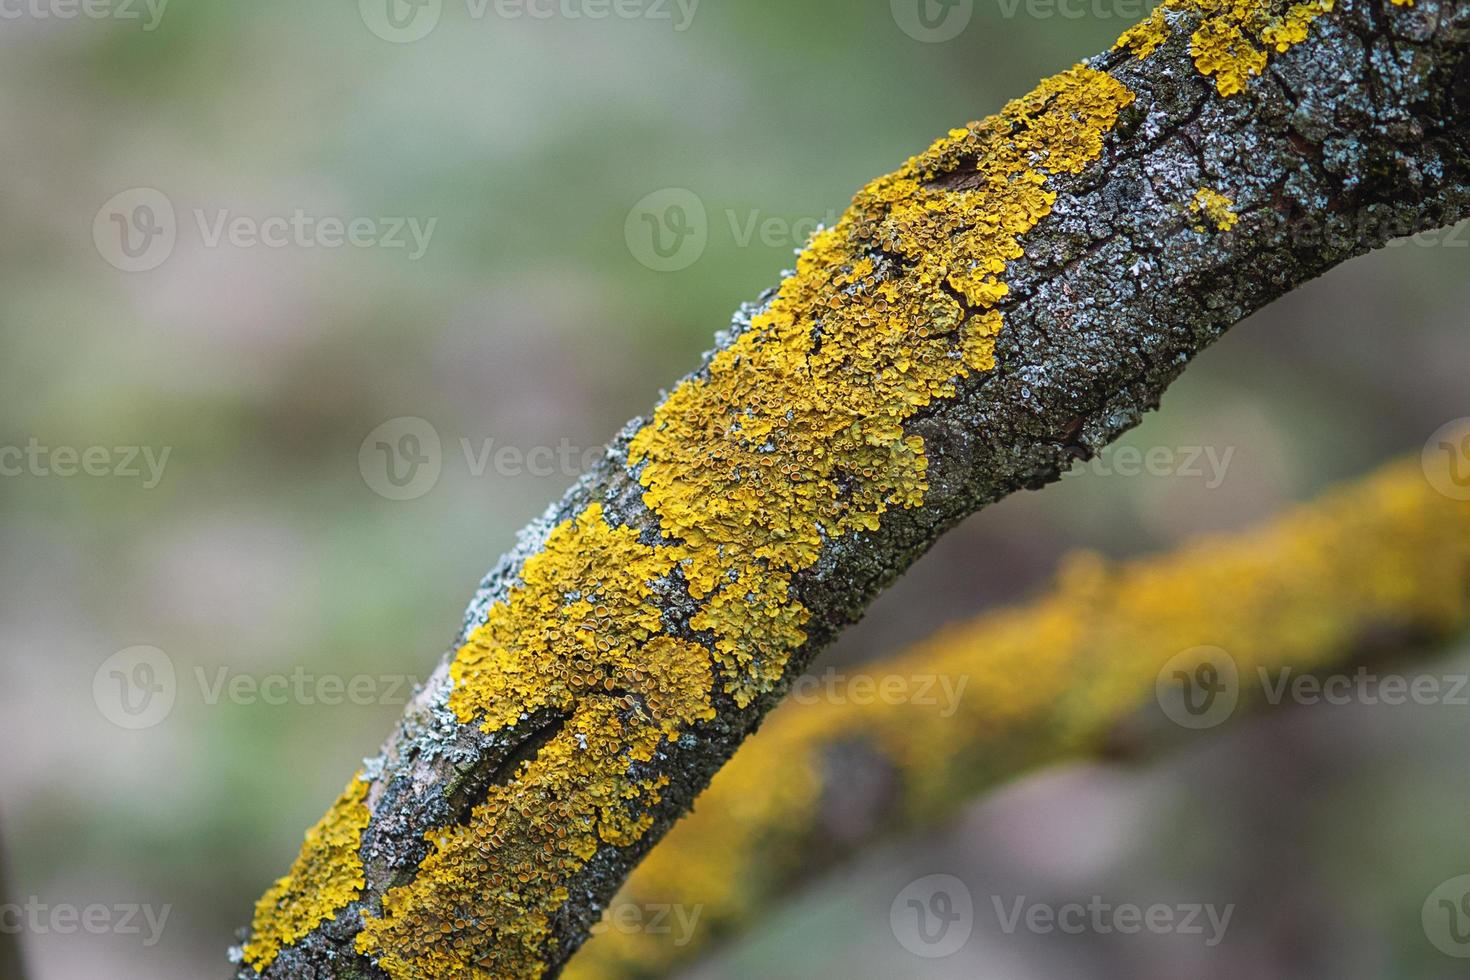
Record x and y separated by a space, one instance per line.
1049 680
1215 208
1232 37
792 436
326 877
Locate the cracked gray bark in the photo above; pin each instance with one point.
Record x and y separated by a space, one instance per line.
1355 136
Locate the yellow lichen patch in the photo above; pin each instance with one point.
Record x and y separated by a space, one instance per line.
326 877
1232 38
792 437
580 637
1214 207
1046 681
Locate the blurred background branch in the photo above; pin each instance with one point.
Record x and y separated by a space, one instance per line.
1376 570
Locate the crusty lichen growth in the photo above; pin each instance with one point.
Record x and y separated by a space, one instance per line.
792 436
1048 681
326 877
1215 208
796 433
579 637
1233 37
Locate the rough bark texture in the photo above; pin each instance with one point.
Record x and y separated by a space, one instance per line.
1192 210
1374 571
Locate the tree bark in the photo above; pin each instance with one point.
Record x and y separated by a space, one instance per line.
1376 571
1008 302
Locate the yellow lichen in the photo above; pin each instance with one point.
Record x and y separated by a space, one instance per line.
792 436
1046 681
326 877
1232 37
1215 207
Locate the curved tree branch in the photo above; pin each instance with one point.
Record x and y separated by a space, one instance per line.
1377 569
1006 302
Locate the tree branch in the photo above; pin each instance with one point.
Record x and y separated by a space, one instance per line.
1008 301
1377 569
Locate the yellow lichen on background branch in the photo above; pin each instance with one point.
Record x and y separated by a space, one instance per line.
1049 680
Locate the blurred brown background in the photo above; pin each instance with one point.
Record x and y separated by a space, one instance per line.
286 311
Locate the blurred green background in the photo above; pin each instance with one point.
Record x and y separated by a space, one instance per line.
533 318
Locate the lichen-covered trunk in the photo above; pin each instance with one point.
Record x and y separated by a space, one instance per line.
1009 300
